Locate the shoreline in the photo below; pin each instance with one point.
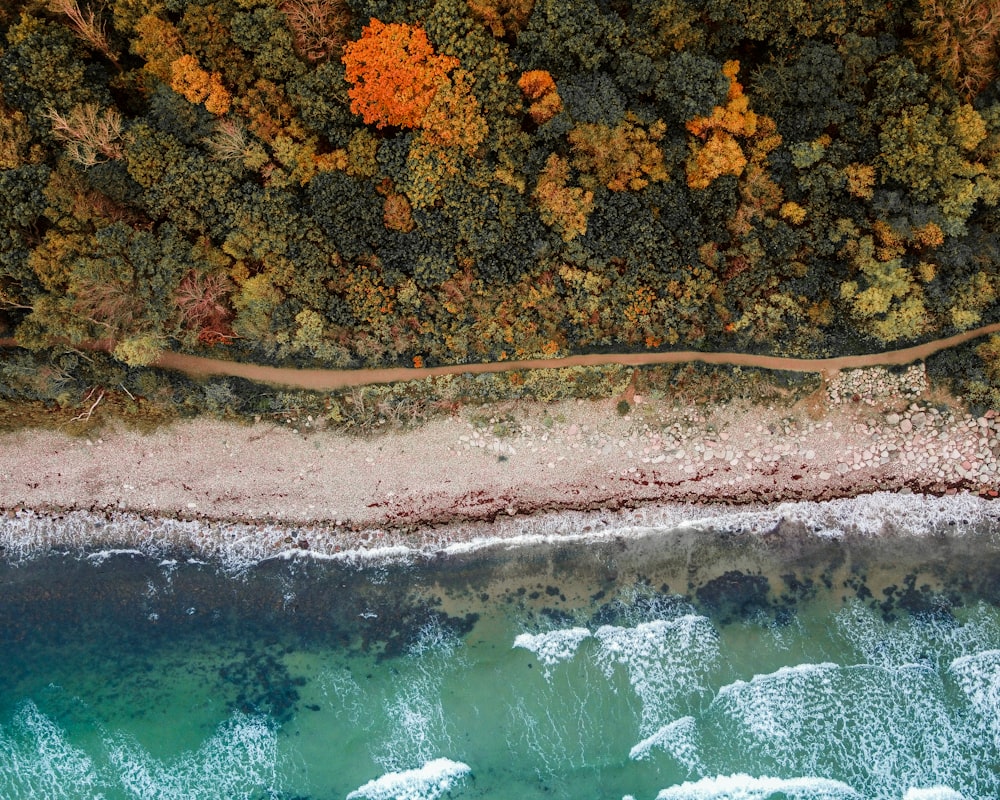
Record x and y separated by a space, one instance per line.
236 547
502 472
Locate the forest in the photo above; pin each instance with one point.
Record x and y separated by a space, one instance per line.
419 182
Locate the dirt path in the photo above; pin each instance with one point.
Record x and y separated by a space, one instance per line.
328 379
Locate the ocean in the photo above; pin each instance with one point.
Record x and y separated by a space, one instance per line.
800 652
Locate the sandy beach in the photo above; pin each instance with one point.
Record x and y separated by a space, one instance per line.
865 431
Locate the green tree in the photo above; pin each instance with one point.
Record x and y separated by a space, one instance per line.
45 68
567 37
181 184
932 152
22 205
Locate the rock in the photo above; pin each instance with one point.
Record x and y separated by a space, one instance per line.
919 419
892 419
905 426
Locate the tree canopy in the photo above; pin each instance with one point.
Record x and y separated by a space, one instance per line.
373 181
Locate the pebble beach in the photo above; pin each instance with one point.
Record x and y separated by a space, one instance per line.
458 478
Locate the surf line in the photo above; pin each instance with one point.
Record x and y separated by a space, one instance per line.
329 379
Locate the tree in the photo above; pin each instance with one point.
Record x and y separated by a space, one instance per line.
201 298
538 87
44 67
139 351
886 300
182 184
16 145
22 205
502 17
91 136
159 44
960 40
263 35
718 153
198 86
87 26
691 85
568 37
932 152
452 118
394 74
562 207
621 158
318 26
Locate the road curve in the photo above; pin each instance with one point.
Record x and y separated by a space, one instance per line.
328 379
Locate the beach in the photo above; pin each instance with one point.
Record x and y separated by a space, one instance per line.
500 471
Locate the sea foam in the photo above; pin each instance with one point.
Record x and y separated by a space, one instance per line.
745 787
933 793
666 662
679 739
978 675
238 546
36 760
428 782
553 646
868 725
239 761
922 639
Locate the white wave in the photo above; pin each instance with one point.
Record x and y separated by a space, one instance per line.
679 739
362 557
978 675
666 662
554 646
436 640
933 793
869 725
933 639
36 760
416 725
344 695
239 761
875 514
755 697
745 787
428 782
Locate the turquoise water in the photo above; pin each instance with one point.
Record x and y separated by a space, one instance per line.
678 665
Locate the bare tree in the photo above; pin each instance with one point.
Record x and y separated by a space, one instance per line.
231 142
86 26
201 300
91 136
318 26
961 40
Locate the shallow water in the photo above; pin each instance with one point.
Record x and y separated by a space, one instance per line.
678 664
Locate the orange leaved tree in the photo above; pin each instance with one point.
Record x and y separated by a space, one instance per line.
539 88
394 74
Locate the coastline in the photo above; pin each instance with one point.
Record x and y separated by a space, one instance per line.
490 474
